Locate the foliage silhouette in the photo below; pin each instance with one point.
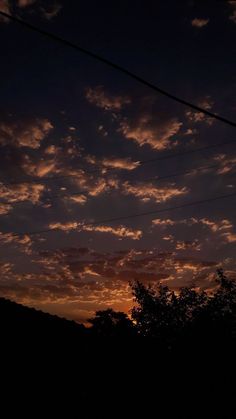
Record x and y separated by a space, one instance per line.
110 323
193 315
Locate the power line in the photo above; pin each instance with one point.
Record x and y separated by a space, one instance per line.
140 163
70 194
98 57
132 216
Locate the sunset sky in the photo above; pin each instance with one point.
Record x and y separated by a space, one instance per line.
86 126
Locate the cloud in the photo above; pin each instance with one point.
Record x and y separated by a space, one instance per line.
83 278
163 222
80 199
24 134
223 227
199 23
232 17
227 164
40 168
25 3
158 135
24 243
198 117
168 238
100 98
4 7
147 192
5 208
188 245
51 11
214 226
120 163
101 186
229 236
51 150
121 231
22 192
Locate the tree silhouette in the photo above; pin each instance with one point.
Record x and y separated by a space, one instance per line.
190 315
110 323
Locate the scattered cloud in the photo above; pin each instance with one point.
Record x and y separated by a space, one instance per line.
51 11
4 7
121 231
229 236
52 150
198 117
199 23
39 168
23 243
163 222
22 192
158 135
102 99
25 3
120 163
188 245
147 192
232 17
5 209
78 199
169 238
88 280
227 163
214 226
25 134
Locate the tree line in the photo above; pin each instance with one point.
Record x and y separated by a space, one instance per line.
171 318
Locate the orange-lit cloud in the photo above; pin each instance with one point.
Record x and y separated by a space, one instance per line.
5 208
22 192
51 150
199 23
169 238
24 242
120 163
5 7
229 236
197 117
158 136
93 280
121 231
25 134
78 199
98 97
214 226
187 245
232 3
25 3
227 163
39 168
51 11
163 222
147 192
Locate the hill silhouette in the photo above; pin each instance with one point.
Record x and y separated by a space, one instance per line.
18 320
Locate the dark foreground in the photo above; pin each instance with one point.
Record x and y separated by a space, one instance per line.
51 367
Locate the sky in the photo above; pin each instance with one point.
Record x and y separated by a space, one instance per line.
81 144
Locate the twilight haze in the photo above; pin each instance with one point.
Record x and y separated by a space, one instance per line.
88 127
